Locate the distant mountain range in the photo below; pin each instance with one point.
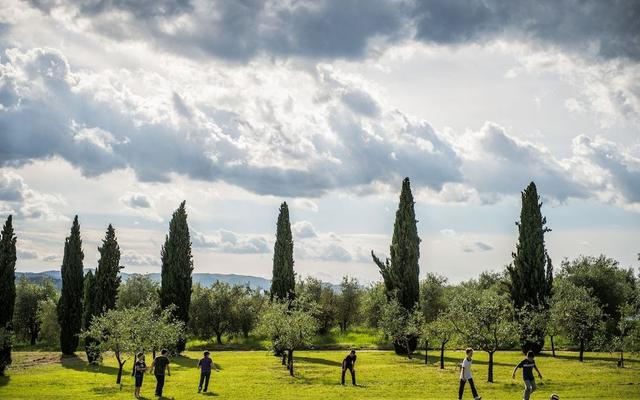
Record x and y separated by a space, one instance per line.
254 282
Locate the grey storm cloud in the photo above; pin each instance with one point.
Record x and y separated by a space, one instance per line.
240 30
136 200
53 117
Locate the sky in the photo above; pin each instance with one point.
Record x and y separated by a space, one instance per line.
117 110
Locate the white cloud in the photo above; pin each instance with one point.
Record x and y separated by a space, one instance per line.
26 254
303 230
225 241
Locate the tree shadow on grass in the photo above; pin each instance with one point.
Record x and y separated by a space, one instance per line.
448 360
210 394
78 364
188 362
4 380
613 359
315 360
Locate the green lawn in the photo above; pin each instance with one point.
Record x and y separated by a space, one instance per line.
258 375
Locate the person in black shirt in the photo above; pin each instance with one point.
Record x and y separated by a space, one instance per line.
138 371
205 364
158 368
527 365
349 363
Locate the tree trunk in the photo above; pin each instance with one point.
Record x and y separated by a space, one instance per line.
442 355
290 366
621 359
120 367
284 357
153 354
490 375
553 347
218 338
426 350
34 337
581 350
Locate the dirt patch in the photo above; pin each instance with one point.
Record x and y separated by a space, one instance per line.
23 360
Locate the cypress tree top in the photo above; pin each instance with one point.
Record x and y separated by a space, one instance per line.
283 280
531 272
107 278
7 272
401 271
70 304
177 265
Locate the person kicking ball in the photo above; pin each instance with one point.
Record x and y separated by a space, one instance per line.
527 365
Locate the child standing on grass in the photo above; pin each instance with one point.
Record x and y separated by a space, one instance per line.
139 368
527 365
466 376
205 364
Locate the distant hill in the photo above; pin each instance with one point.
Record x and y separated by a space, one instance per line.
254 282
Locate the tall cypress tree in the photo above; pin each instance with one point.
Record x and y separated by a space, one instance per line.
177 266
400 272
283 280
531 272
89 311
108 272
7 290
70 303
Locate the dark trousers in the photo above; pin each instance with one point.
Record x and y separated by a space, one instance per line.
353 374
473 388
159 384
204 377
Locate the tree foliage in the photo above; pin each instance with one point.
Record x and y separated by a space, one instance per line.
484 320
70 303
177 266
612 285
283 279
108 273
138 290
578 313
531 273
402 326
432 296
290 325
400 272
48 319
326 300
348 304
7 290
128 331
28 297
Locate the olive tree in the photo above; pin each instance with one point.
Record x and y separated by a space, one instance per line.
128 331
290 327
401 326
484 319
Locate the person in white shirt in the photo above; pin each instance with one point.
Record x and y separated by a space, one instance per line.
466 376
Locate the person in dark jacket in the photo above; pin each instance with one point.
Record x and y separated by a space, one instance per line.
349 363
205 365
158 367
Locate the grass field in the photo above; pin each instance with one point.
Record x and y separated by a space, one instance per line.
381 374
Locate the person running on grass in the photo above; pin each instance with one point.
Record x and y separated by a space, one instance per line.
466 376
349 363
205 364
138 369
158 367
527 365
